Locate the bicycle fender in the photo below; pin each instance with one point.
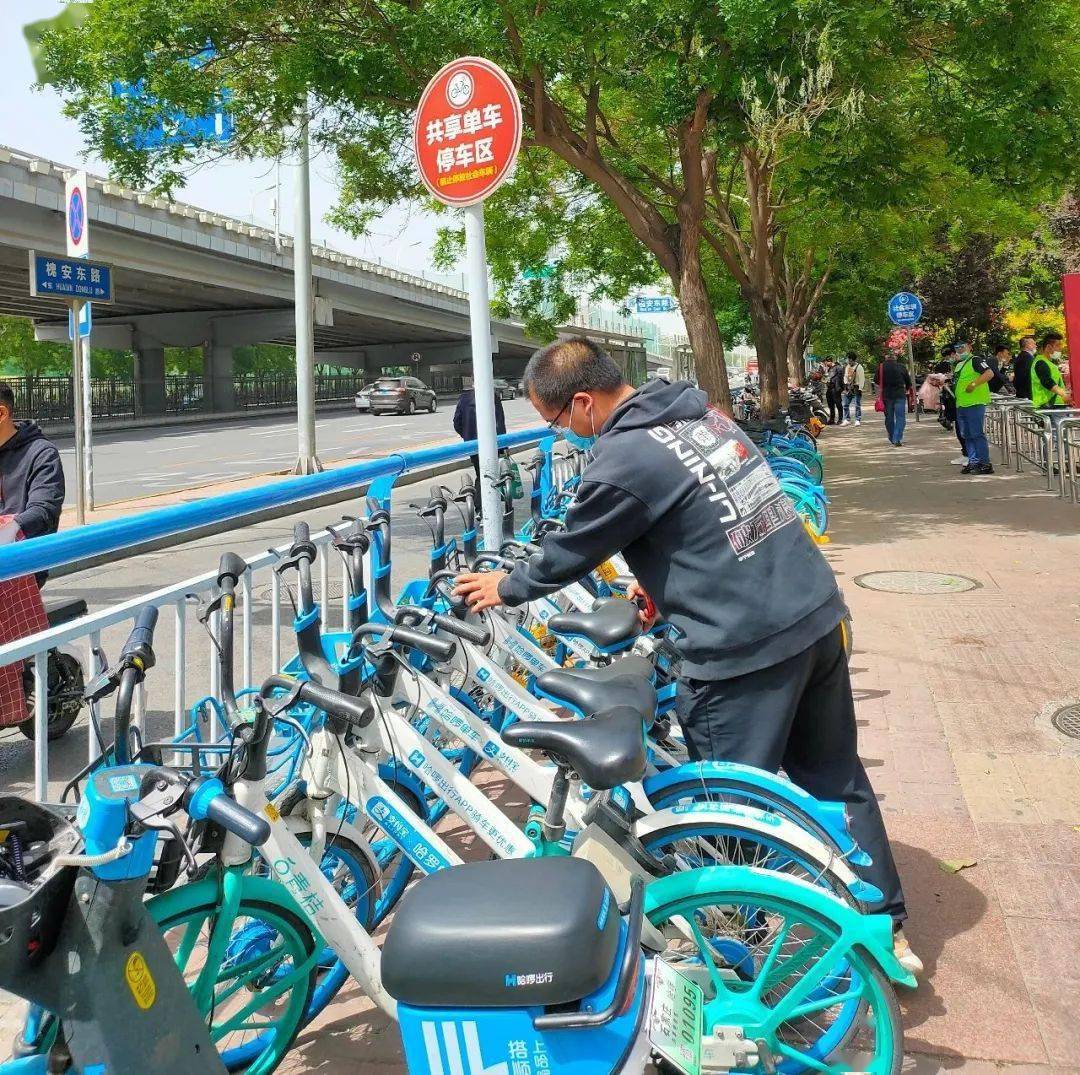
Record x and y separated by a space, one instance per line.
299 825
770 826
872 933
829 815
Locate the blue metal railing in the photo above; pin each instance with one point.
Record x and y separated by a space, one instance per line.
114 535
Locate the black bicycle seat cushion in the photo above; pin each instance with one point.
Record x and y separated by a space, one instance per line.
613 624
592 690
605 751
63 610
509 933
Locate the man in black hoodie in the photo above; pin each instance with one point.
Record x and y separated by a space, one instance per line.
31 477
680 490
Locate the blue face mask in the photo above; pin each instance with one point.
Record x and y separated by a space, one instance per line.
580 442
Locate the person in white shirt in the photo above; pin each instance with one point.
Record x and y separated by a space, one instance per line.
854 382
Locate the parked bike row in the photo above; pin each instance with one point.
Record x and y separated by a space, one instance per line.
200 899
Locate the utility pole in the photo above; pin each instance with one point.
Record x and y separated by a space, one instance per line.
307 461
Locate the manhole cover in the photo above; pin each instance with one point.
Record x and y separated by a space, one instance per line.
917 582
1067 721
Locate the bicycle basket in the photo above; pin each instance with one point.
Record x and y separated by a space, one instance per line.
33 911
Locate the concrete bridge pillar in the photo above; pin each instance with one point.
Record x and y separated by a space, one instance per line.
218 390
149 381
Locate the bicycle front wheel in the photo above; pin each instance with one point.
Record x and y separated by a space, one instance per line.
263 987
790 971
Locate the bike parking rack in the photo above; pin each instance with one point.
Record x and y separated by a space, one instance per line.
74 546
1068 440
1036 438
999 417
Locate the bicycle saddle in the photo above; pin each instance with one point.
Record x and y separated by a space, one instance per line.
463 938
592 690
612 625
62 610
605 751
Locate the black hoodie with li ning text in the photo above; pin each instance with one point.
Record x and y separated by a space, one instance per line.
681 491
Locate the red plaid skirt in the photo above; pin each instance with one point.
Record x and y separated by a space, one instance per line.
22 613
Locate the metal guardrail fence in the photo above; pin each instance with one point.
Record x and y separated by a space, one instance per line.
1068 437
260 595
48 400
1046 439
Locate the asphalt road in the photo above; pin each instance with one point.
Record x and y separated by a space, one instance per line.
141 462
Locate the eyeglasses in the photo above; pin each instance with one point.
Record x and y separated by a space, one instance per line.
562 410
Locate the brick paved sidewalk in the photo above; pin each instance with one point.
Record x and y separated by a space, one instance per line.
954 694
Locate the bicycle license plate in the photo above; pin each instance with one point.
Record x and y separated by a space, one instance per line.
675 1018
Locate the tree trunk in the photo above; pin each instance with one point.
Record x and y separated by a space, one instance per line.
703 330
765 342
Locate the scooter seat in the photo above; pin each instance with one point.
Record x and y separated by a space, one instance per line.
63 610
509 933
592 690
605 751
612 625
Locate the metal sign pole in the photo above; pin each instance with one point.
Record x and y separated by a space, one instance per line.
307 462
911 372
483 375
80 429
88 420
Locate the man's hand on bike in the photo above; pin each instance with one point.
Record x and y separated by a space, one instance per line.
635 591
480 589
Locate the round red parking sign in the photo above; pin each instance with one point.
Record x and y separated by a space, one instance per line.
467 131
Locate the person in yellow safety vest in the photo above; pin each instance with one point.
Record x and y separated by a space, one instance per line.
971 383
1047 382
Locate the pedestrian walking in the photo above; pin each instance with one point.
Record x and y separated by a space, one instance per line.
1022 367
31 475
834 392
764 679
465 424
895 382
854 382
972 386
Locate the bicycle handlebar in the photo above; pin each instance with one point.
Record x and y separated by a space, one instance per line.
140 643
329 701
438 649
469 632
231 568
206 799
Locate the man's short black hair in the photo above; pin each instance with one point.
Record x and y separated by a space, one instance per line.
1002 347
948 351
1050 337
558 372
851 356
7 397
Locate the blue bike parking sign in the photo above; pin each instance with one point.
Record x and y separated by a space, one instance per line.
905 309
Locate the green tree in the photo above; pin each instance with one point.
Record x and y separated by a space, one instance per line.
23 356
739 132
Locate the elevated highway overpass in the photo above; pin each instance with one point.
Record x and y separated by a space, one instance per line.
188 277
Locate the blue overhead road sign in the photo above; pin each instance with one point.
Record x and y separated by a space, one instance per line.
905 309
55 277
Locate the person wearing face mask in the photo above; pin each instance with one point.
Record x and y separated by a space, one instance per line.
1047 383
682 492
971 383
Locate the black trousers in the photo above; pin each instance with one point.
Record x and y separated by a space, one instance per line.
836 406
798 716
